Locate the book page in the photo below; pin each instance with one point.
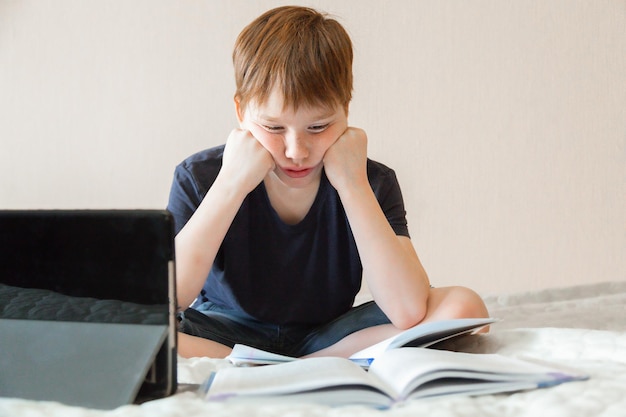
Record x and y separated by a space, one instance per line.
406 369
247 355
288 378
243 355
424 335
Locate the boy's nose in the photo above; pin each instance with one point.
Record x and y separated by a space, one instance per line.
295 148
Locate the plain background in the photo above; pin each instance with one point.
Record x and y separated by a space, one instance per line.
504 120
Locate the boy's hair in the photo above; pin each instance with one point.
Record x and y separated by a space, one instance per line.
301 51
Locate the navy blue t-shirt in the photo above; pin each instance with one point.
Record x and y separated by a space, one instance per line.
307 273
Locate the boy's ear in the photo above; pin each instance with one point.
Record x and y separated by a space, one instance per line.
238 110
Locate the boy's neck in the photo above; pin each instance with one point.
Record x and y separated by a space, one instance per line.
291 204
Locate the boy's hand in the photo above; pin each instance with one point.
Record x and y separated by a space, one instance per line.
345 162
246 162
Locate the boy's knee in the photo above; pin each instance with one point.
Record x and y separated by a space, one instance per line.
459 302
475 304
471 304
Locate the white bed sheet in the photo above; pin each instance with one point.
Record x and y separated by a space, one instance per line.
582 327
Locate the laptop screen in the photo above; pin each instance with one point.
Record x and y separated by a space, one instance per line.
90 265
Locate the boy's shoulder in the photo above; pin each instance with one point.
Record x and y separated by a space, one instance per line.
376 166
202 166
383 180
207 156
378 171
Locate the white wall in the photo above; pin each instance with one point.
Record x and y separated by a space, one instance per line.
505 120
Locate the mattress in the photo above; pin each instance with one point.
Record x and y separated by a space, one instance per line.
582 327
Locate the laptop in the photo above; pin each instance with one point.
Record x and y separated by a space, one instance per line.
87 306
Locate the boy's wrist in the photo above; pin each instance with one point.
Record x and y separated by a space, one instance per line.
229 188
355 190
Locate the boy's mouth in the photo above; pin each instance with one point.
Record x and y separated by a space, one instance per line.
297 173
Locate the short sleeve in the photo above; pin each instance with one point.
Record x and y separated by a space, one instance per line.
389 195
192 179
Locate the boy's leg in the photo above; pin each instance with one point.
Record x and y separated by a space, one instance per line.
214 333
443 303
194 346
318 341
194 338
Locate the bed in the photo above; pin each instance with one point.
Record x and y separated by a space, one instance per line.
583 327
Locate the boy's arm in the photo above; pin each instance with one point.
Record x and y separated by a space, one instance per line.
245 164
391 267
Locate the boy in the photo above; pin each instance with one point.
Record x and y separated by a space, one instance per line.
276 229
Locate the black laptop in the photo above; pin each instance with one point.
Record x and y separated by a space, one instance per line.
87 306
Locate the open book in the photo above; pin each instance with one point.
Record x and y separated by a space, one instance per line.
422 335
394 377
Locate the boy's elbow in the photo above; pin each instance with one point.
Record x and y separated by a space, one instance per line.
406 321
407 315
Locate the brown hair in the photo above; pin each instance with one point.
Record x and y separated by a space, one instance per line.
303 52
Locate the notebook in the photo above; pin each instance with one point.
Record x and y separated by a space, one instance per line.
87 306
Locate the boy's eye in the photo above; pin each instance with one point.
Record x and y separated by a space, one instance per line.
315 128
318 128
272 128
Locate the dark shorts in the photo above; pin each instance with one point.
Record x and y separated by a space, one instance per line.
229 327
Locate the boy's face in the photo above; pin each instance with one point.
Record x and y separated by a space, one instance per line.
297 140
